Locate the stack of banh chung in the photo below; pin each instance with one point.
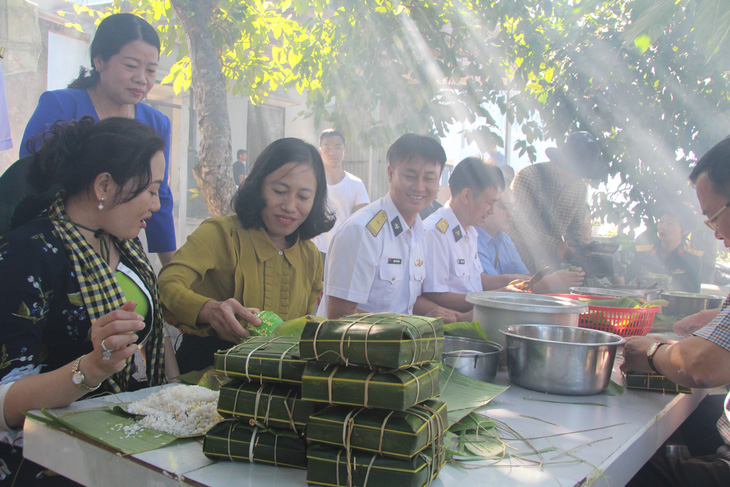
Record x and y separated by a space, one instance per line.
379 374
263 406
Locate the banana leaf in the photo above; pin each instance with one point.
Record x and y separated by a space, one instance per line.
396 434
462 394
293 328
266 405
653 382
232 440
263 359
112 428
465 329
374 340
335 467
358 386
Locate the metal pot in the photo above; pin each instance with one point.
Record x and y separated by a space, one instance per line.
603 291
494 310
683 304
560 359
476 358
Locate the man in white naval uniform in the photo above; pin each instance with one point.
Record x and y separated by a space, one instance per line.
453 268
376 260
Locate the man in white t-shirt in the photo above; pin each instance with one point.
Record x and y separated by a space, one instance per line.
346 193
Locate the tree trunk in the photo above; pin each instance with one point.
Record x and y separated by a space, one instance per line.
214 173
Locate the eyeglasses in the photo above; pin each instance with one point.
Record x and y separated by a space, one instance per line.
710 222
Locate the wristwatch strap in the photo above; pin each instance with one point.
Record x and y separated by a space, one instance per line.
75 372
650 356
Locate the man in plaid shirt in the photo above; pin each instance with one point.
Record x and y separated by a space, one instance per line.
550 201
703 359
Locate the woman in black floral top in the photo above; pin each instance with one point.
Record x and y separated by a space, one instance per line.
66 327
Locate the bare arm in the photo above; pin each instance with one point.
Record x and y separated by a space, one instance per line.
692 362
425 307
338 307
55 388
690 324
171 368
492 283
559 281
452 301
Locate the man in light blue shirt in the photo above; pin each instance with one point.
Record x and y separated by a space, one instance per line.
496 251
499 256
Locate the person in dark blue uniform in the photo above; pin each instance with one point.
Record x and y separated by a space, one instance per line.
670 255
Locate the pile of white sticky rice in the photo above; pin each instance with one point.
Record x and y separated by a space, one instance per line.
179 410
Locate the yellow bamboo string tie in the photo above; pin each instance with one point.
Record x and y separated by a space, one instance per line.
281 360
435 340
235 401
254 421
268 406
430 467
230 431
367 473
367 386
248 359
290 412
314 340
414 343
225 358
251 443
348 425
276 447
426 420
382 433
329 383
360 318
337 468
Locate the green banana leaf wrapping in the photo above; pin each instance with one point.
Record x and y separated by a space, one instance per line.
266 405
263 359
358 386
653 382
396 434
237 441
333 467
375 340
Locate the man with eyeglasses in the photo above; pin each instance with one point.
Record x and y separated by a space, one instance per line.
702 359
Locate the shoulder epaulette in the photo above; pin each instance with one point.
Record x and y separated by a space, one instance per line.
692 251
644 248
377 222
442 225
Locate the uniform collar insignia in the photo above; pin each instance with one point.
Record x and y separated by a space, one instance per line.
457 233
396 226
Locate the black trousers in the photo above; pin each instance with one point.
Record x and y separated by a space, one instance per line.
663 471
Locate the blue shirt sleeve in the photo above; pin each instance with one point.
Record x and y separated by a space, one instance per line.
160 229
486 252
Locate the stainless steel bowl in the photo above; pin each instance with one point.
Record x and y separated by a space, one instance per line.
494 310
560 359
683 304
601 291
476 358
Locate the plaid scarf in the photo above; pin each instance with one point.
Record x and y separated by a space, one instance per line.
102 294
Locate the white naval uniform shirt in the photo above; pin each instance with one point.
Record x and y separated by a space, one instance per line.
452 258
378 266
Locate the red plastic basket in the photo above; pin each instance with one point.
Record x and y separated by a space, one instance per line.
625 322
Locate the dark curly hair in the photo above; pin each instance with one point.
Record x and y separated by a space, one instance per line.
113 33
248 202
74 153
